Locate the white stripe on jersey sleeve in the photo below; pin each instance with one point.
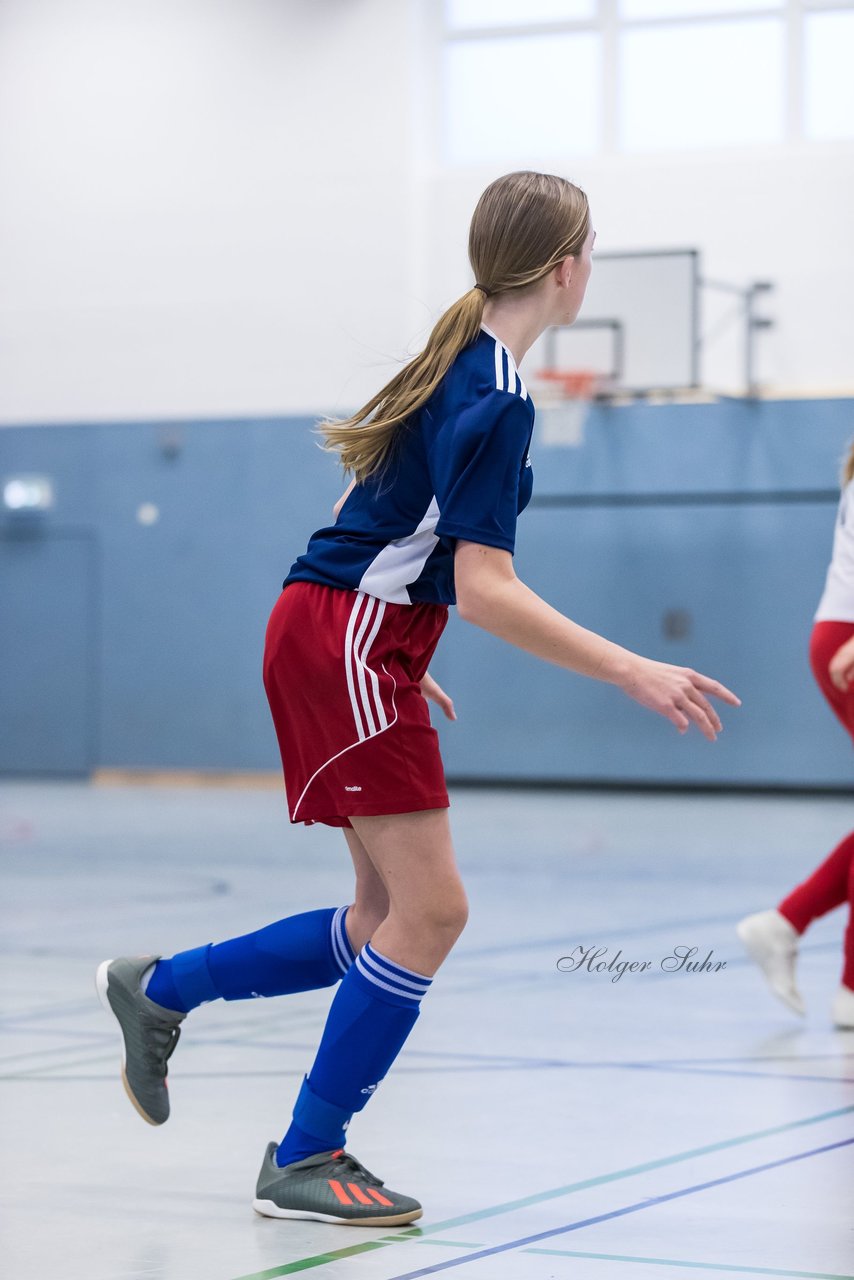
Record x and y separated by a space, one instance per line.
514 379
515 376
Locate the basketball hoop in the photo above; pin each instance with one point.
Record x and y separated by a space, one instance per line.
563 398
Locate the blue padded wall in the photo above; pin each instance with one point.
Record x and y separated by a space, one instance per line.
717 516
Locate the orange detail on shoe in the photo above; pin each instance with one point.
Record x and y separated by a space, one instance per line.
358 1193
381 1199
339 1191
339 1152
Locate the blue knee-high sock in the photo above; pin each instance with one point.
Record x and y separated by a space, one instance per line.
300 953
373 1012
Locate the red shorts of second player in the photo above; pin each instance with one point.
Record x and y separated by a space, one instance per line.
825 639
342 672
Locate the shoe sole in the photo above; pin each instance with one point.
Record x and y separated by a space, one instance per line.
269 1209
101 984
757 953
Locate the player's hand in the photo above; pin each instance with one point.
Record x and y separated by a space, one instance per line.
678 693
841 666
436 694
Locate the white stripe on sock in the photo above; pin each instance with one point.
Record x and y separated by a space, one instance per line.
381 959
346 945
386 986
374 962
341 956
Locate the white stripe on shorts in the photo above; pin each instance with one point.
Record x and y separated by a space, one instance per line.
356 653
366 702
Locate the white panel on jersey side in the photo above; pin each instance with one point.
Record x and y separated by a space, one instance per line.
400 562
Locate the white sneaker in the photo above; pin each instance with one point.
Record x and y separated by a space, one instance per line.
843 1009
773 943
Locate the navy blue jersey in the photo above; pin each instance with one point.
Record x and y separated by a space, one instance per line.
460 469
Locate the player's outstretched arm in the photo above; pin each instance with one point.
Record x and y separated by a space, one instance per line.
491 596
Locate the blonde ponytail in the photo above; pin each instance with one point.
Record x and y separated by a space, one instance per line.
524 225
365 446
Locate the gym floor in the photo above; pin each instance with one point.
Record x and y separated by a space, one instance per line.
554 1121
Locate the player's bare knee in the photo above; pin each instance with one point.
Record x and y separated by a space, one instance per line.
444 916
460 914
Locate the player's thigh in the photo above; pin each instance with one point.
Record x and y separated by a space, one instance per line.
413 854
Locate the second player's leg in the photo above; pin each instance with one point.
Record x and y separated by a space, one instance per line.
823 891
843 1004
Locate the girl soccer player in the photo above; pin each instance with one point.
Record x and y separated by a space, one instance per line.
440 466
771 937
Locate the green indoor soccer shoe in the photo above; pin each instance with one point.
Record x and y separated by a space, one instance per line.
149 1034
330 1187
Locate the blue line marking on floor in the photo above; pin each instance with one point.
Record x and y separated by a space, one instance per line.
619 1213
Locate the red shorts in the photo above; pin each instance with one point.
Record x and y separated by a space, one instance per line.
342 672
825 639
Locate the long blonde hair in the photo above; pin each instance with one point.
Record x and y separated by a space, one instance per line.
848 466
524 225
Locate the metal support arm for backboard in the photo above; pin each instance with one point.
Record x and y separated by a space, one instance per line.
752 323
650 303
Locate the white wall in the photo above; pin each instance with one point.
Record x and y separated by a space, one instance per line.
783 216
236 207
204 205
